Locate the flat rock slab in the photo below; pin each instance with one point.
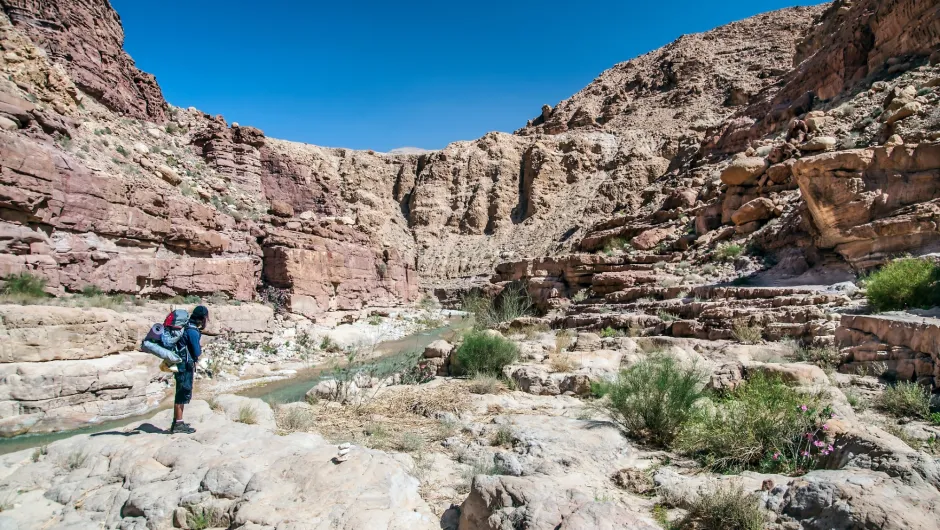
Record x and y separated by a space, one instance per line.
241 474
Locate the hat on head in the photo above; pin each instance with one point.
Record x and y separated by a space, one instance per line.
200 312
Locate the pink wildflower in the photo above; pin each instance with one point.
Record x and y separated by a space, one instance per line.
776 456
830 448
825 426
805 453
818 443
803 408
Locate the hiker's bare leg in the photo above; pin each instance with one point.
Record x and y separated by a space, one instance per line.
178 412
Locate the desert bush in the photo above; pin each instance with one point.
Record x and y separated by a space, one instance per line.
728 252
563 362
23 287
609 332
856 400
580 296
724 508
666 316
484 384
214 404
504 436
247 415
825 356
410 442
563 340
905 399
599 389
613 245
296 418
329 345
764 423
483 353
653 398
746 333
903 284
513 302
76 460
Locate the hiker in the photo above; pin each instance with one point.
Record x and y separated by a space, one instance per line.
190 350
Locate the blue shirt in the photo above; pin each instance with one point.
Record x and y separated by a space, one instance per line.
190 340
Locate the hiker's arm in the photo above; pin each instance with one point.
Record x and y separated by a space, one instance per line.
192 337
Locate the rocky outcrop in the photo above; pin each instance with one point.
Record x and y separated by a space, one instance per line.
852 41
78 227
86 37
232 474
902 344
872 204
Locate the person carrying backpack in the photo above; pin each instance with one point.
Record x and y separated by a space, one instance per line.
190 351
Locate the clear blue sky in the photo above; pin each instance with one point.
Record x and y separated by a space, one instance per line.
385 74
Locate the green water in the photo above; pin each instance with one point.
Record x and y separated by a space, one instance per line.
283 391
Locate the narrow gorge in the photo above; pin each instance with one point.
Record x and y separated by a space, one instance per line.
755 208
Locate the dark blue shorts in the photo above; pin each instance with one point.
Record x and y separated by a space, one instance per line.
184 386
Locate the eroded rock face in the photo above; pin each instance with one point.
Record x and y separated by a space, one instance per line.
86 36
73 226
906 345
852 39
872 204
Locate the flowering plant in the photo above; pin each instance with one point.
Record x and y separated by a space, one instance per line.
803 453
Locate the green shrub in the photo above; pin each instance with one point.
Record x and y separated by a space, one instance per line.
91 290
488 313
935 418
653 398
728 252
764 422
599 389
483 353
247 415
615 244
745 333
903 284
25 284
724 508
23 288
905 399
609 332
823 356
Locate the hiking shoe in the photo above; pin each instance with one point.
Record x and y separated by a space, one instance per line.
181 428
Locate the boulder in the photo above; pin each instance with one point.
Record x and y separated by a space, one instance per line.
170 175
541 503
780 173
744 171
759 209
438 349
800 374
648 239
281 208
533 380
906 111
820 143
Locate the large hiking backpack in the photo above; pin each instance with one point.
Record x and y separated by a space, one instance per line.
163 339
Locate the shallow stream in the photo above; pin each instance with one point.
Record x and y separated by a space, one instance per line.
283 391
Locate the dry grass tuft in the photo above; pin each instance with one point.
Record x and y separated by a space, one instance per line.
383 422
563 362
